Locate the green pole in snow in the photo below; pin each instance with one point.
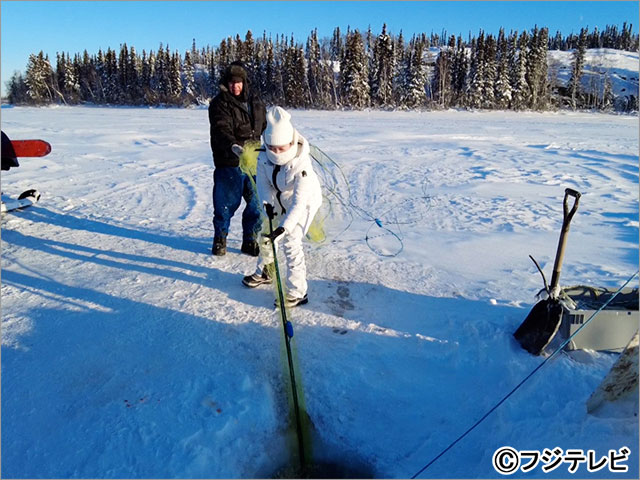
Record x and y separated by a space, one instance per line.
288 333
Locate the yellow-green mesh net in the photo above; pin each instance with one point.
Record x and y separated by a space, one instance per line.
249 158
249 165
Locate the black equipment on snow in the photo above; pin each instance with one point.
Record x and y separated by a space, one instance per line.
544 319
9 157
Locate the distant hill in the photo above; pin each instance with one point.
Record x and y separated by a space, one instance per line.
619 67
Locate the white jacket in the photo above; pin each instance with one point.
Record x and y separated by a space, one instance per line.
293 188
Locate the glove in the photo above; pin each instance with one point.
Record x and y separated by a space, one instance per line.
275 234
269 209
237 149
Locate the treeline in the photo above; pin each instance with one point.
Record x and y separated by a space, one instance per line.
353 70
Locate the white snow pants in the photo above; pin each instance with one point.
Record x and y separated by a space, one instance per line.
296 278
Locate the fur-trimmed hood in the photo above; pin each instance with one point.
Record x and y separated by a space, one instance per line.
236 70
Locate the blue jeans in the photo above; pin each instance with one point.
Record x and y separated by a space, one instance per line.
230 186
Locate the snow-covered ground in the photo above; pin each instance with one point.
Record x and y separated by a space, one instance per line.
128 351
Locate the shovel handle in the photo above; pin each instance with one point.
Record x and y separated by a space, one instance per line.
568 215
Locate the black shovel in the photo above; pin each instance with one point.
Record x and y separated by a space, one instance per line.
544 319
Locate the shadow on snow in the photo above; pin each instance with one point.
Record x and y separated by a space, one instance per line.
167 380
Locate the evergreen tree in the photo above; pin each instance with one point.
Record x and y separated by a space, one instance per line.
574 87
260 65
518 56
313 72
224 56
293 96
111 83
490 73
278 81
607 94
369 44
442 80
320 74
38 79
328 82
123 72
502 85
238 50
459 73
87 78
60 77
71 89
162 78
296 86
476 73
369 51
101 75
382 71
558 42
383 67
414 94
17 89
215 68
175 89
353 73
248 58
626 42
337 46
188 85
194 54
134 90
270 89
147 73
399 77
201 76
537 69
301 70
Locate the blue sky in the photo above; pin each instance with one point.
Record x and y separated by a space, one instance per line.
30 26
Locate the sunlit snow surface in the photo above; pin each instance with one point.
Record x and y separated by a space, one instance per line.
129 351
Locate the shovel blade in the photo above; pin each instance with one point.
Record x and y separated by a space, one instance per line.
540 326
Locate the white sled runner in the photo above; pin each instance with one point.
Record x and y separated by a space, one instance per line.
26 199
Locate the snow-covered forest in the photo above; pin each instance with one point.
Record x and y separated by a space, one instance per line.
352 70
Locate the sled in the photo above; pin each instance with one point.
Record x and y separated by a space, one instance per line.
14 149
26 199
544 319
31 148
11 150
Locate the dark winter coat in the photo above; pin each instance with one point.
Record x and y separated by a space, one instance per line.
9 158
230 119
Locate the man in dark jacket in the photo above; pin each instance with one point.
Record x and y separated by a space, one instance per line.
236 116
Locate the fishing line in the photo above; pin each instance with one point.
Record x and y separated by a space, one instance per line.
556 351
337 186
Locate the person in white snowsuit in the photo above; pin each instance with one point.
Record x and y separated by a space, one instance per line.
289 190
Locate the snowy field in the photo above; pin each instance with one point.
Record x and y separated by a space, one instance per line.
128 351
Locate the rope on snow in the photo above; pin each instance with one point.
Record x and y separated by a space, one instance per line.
337 188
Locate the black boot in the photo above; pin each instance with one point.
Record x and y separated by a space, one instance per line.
256 280
250 247
219 246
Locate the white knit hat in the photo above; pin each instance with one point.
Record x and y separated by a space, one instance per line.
279 130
